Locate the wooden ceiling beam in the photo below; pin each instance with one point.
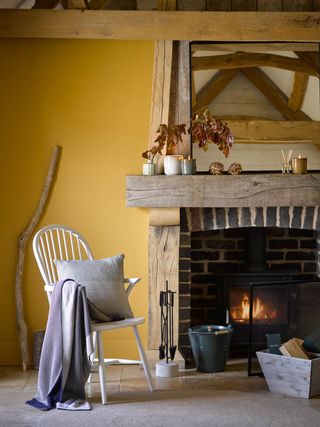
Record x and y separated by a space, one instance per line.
213 87
246 60
46 4
254 47
273 131
298 92
159 25
272 92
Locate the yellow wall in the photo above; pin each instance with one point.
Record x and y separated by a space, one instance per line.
93 98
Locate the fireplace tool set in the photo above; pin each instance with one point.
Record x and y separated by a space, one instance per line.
167 350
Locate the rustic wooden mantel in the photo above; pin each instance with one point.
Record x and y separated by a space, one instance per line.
246 190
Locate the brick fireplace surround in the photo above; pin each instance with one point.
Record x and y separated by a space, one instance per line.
207 207
212 240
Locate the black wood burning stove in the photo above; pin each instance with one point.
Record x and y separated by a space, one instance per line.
270 305
255 307
258 301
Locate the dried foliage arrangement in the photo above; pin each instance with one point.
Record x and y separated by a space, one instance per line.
204 129
167 135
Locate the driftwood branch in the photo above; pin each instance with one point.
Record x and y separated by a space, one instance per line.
23 240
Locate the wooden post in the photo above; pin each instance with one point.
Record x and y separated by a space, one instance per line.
163 265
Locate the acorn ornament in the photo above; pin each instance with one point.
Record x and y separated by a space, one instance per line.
216 168
235 169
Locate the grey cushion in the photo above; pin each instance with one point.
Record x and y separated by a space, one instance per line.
104 282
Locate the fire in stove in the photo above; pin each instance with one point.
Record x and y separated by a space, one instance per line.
263 311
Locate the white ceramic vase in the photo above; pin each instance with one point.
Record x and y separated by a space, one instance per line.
172 164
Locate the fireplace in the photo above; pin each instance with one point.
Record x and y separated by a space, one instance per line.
184 205
268 307
219 268
270 304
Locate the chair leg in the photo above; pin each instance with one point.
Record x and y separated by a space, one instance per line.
88 385
143 358
102 372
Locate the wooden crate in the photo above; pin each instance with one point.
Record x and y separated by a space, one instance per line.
290 375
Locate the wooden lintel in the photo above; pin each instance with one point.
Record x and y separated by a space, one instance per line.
157 25
272 92
254 47
245 60
275 131
298 92
197 191
213 87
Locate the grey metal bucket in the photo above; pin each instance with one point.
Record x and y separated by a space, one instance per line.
210 346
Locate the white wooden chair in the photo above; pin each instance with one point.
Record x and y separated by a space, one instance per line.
63 243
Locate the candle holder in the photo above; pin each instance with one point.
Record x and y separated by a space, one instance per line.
188 166
172 164
299 165
149 168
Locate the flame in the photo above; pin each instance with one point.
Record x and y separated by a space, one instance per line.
241 313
